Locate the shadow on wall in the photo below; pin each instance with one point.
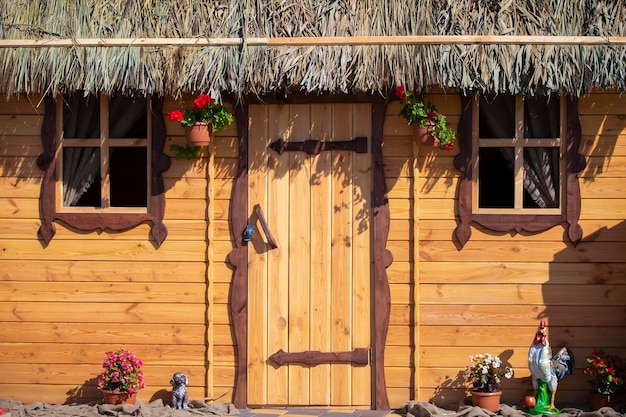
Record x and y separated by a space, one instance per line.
585 300
85 393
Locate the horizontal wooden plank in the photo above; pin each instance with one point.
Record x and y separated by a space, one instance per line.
486 336
519 294
220 272
28 208
24 125
31 104
604 167
398 166
450 357
601 145
25 373
113 333
94 250
224 167
603 209
434 229
41 352
522 315
555 273
399 356
102 271
605 103
83 394
185 188
24 147
182 311
176 230
400 188
603 124
103 292
520 251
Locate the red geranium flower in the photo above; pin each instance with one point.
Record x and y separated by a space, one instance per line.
202 101
176 116
401 92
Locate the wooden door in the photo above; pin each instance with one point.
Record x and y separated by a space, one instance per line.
311 296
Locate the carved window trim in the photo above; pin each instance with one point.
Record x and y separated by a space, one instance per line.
87 222
464 162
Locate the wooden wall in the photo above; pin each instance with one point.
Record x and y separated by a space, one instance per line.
63 306
491 295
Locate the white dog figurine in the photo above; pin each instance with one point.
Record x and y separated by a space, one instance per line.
180 398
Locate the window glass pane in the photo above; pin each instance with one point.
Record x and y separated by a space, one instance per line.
496 117
495 178
128 117
541 177
541 117
81 116
129 177
81 177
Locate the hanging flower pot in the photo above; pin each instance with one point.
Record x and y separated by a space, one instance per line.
488 400
199 134
419 112
424 134
200 121
117 397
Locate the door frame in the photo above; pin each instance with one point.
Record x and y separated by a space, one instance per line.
382 257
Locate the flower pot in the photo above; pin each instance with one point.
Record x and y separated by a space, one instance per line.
199 134
117 397
424 134
488 400
606 400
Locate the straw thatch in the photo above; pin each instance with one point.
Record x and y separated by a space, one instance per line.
574 69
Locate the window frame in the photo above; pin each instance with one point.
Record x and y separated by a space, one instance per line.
87 219
503 220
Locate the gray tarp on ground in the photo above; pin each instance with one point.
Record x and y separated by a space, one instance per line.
157 408
422 409
153 409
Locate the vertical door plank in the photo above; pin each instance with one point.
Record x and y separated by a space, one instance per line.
361 295
299 244
257 271
321 216
341 275
278 268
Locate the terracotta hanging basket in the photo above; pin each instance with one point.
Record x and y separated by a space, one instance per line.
424 135
117 397
487 400
199 134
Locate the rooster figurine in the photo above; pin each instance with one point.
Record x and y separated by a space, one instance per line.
547 370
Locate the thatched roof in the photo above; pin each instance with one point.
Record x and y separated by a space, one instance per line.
243 68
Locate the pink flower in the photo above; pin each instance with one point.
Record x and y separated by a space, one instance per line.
176 115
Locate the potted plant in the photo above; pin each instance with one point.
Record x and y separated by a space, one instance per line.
484 376
426 120
606 376
121 377
202 120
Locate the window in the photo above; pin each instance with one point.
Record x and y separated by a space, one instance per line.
519 148
514 162
104 162
104 153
